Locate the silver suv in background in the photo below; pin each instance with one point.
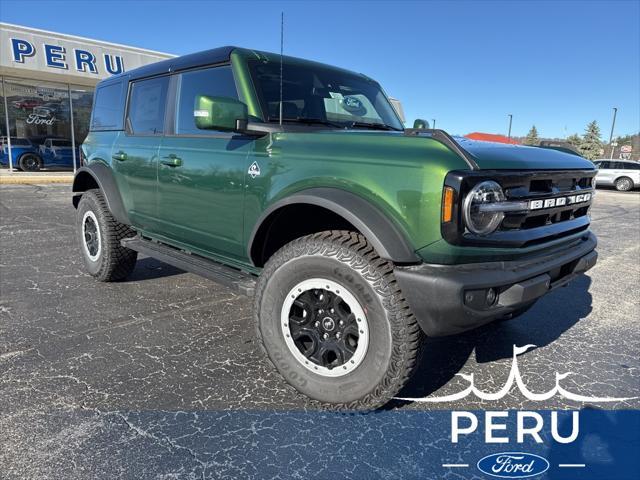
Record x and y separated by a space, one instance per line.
622 174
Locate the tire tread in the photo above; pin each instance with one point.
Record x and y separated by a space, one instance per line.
353 248
118 261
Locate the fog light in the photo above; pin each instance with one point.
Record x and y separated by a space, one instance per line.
492 296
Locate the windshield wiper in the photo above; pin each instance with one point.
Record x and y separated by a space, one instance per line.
310 120
373 125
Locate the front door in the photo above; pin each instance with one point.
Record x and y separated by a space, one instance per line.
201 173
135 151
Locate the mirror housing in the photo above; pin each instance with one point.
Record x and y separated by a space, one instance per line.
420 124
220 113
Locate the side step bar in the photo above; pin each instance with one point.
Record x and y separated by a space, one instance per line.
237 280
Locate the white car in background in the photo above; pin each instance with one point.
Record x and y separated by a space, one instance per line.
622 174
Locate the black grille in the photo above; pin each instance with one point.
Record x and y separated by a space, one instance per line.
545 185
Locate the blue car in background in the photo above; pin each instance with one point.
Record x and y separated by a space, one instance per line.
23 152
29 157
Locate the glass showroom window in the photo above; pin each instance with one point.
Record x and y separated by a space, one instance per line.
40 121
81 102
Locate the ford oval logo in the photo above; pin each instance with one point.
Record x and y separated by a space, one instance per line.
513 465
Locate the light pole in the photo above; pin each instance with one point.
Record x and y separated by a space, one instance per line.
510 120
613 124
433 125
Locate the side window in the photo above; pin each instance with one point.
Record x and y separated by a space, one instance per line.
146 106
108 108
214 82
631 166
605 165
617 165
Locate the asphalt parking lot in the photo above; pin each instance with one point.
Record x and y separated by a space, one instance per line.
161 377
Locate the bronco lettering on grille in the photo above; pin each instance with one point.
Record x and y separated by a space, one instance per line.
559 202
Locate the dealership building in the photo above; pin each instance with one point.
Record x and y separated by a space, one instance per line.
47 83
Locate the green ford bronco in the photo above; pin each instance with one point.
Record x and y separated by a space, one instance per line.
296 182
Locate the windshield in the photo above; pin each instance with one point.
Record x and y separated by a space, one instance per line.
317 94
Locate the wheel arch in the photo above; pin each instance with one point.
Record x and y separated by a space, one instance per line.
329 209
98 175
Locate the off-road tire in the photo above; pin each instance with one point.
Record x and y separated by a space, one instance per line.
395 339
624 184
30 162
114 262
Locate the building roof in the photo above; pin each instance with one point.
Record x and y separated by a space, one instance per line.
490 137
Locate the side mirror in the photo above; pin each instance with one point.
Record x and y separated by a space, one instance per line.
420 123
220 113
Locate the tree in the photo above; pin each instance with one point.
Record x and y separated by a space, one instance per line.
574 140
532 137
591 145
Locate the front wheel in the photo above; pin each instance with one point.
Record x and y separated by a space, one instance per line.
99 235
333 321
624 184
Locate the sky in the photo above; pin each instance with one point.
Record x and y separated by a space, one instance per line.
554 64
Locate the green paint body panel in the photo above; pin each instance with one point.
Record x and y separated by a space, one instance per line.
210 204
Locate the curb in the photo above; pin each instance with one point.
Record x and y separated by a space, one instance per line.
24 180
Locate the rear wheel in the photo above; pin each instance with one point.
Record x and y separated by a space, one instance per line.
624 184
333 321
99 235
30 162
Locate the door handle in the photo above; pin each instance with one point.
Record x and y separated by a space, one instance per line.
171 160
119 156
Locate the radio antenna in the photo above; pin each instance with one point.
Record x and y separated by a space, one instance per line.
281 51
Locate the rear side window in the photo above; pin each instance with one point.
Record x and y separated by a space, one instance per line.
147 105
108 108
214 82
631 166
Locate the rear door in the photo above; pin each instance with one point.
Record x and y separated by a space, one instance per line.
201 173
617 170
60 152
135 151
632 170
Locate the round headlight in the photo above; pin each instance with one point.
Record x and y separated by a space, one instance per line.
478 215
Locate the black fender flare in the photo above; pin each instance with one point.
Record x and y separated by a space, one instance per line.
103 176
380 230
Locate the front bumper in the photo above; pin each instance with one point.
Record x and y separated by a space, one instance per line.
450 299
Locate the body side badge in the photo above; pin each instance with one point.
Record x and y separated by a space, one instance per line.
254 170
